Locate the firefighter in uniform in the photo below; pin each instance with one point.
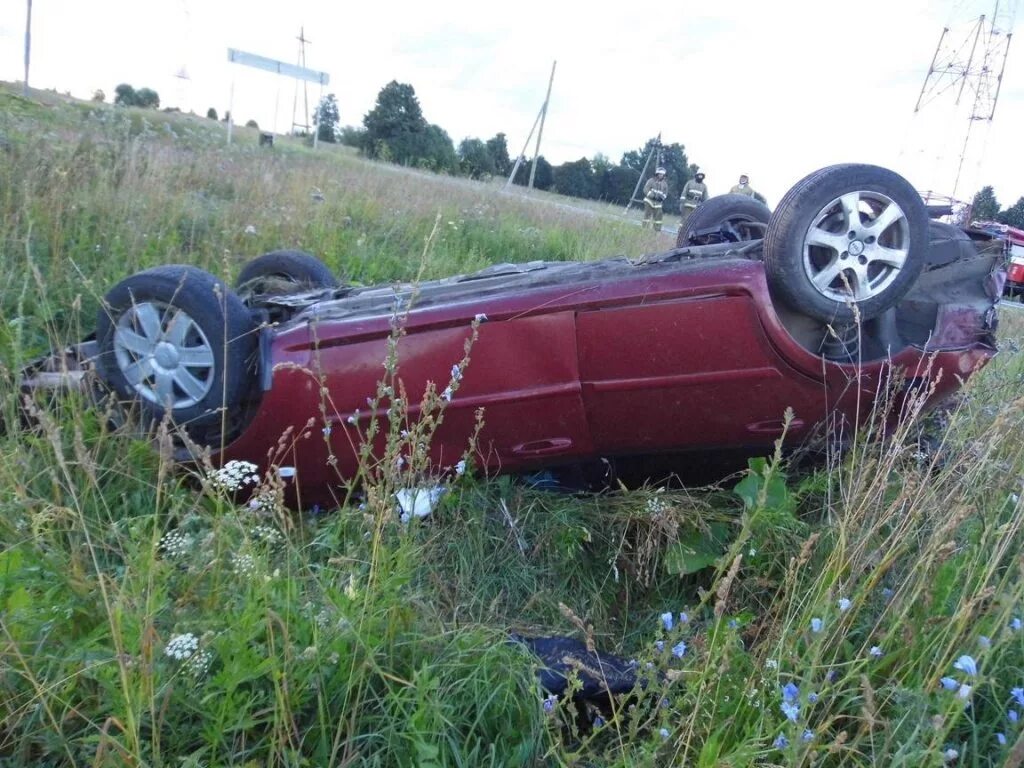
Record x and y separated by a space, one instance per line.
743 188
655 192
695 192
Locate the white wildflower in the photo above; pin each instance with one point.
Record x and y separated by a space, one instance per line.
175 544
243 564
181 647
460 467
250 230
234 475
198 664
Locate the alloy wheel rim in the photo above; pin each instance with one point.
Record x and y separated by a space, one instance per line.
164 355
856 246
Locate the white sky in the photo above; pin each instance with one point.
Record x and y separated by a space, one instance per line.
772 88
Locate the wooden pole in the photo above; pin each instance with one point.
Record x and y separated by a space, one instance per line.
28 46
540 133
643 172
231 108
522 153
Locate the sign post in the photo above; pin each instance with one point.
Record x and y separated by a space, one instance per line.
271 65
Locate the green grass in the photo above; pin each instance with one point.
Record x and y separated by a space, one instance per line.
348 638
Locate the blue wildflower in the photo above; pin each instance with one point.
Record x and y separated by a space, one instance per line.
1016 624
666 621
790 692
887 593
985 642
664 734
1018 695
549 703
790 710
949 683
781 742
812 697
598 721
1013 715
659 645
679 649
665 703
875 652
808 735
964 692
816 624
832 676
733 624
844 605
1001 738
683 618
966 664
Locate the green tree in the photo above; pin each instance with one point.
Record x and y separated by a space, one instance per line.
576 179
124 95
498 147
99 95
252 124
544 178
475 159
211 113
326 118
147 98
438 150
395 127
1014 215
352 136
985 207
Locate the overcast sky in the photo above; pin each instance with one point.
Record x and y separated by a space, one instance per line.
771 89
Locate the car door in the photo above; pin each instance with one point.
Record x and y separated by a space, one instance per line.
686 373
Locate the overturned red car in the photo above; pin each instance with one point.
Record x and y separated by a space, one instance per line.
697 351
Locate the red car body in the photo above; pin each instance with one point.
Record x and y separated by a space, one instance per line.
585 360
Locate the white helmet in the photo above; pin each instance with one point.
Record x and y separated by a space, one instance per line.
659 171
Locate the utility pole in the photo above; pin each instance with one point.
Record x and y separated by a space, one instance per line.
643 172
543 114
305 91
28 46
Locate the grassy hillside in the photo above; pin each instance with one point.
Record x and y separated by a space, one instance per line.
867 613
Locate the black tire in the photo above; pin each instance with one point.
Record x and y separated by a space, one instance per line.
278 269
216 330
791 258
731 213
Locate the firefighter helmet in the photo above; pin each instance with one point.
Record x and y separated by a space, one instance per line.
659 171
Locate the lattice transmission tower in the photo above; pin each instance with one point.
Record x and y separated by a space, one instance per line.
967 69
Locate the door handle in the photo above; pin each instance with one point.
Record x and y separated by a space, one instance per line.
774 427
542 447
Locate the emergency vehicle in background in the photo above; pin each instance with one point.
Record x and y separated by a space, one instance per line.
1015 254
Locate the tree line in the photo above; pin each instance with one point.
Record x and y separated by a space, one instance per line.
985 207
395 130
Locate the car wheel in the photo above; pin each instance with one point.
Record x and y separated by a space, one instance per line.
846 243
177 340
285 272
737 217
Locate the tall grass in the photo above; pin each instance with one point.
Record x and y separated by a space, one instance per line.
148 616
